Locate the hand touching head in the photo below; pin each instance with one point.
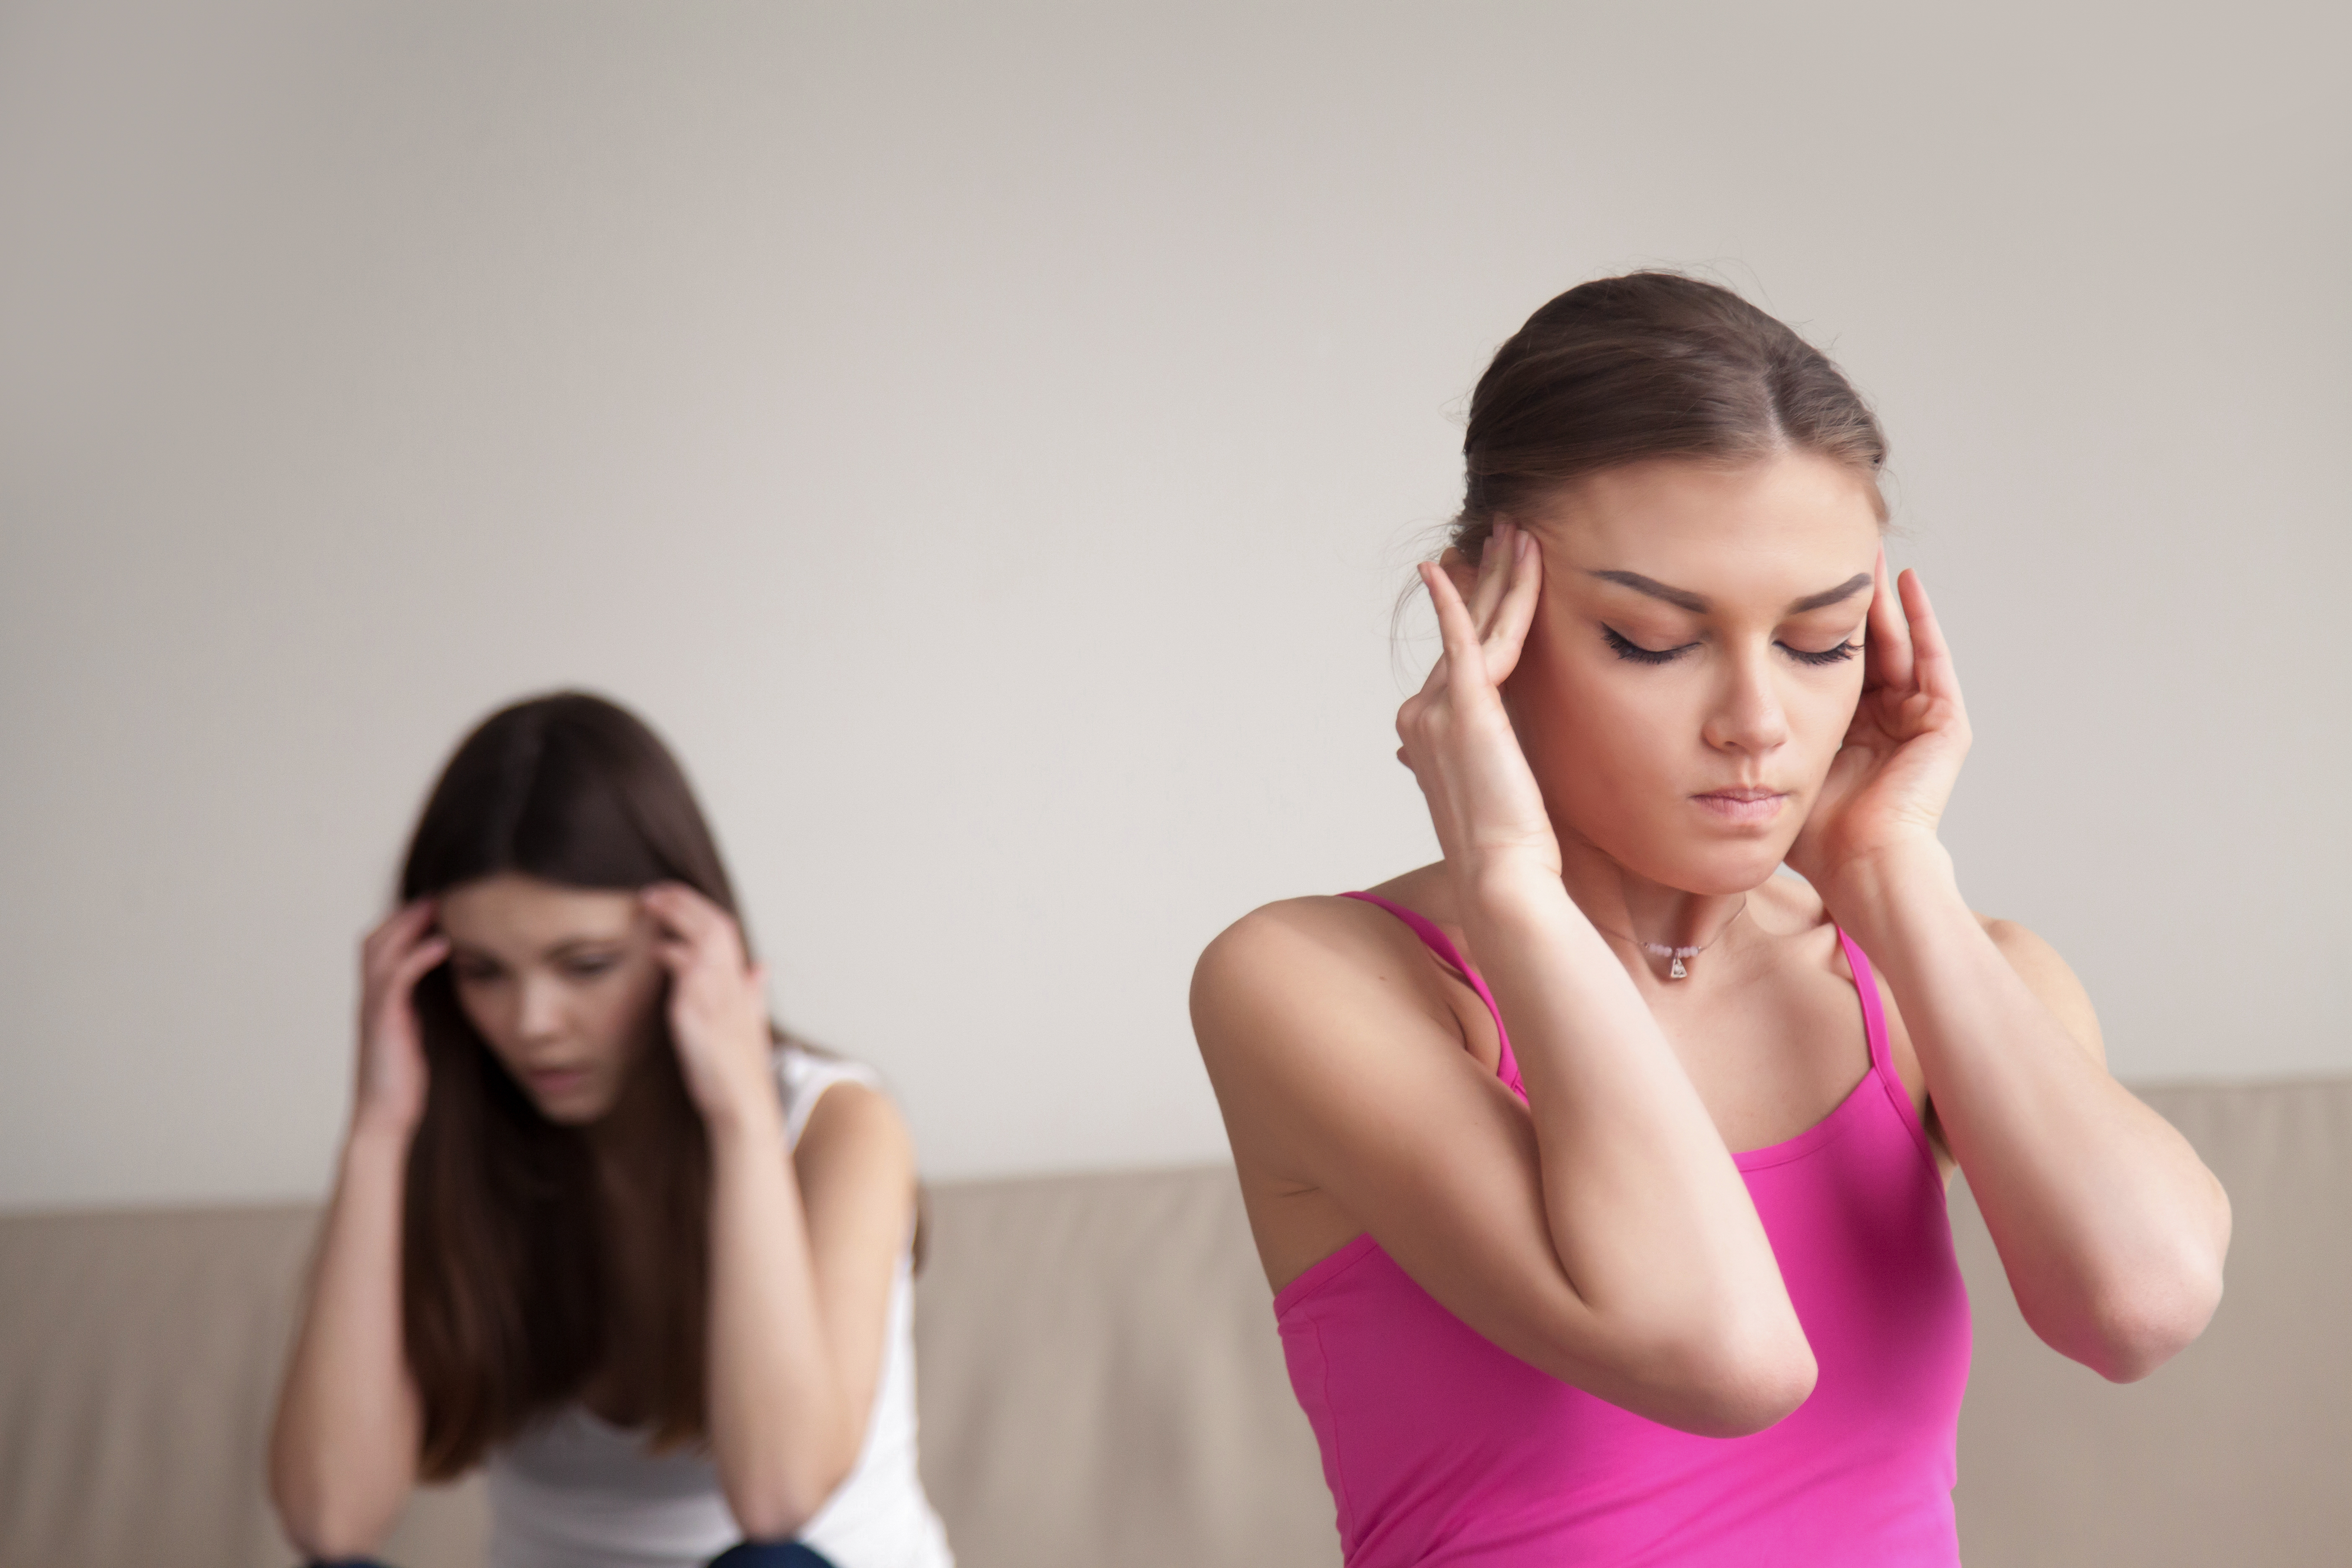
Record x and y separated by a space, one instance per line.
1704 485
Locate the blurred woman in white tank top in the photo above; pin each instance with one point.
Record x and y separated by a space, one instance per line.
597 1225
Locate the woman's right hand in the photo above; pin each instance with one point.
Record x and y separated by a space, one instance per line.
392 1074
1458 739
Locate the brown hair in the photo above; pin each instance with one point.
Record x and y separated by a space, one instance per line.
1652 365
506 1290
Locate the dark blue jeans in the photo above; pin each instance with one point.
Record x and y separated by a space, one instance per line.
743 1554
771 1554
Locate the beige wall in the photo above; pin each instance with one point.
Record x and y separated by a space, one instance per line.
988 441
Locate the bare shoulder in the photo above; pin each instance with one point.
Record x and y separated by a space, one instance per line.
853 1126
1306 955
1313 928
1323 1013
2048 976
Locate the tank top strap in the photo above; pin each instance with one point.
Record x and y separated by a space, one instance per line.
1508 1067
1881 1052
1874 1011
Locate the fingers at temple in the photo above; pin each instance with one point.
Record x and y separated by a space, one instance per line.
1888 644
1931 655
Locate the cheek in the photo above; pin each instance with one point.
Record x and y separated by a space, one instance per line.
489 1009
1598 729
618 1016
1821 711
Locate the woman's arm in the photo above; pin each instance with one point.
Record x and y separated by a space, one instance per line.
804 1245
1603 1234
343 1449
2111 1230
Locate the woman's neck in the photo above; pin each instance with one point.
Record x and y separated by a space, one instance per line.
1624 903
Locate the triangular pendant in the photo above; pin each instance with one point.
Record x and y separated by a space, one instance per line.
1678 971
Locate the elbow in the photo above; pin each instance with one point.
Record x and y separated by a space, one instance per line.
325 1527
771 1517
2126 1310
779 1506
1727 1381
1748 1393
776 1513
2135 1323
332 1508
2133 1332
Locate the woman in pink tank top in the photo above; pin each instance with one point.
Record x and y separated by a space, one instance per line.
1598 1173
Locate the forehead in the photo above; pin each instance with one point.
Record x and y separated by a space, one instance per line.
523 913
1773 531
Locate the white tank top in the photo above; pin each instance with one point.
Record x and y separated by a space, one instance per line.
576 1491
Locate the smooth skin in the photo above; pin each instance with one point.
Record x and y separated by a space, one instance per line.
564 983
1674 677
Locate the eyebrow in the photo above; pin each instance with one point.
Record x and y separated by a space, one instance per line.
571 944
1698 604
1828 596
1681 598
563 949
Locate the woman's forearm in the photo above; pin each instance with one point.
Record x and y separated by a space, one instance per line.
2111 1229
1647 1211
343 1449
781 1429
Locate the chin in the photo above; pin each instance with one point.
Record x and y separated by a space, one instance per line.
572 1110
1719 870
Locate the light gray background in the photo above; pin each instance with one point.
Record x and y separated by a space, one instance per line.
988 442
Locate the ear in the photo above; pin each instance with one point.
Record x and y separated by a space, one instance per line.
1466 576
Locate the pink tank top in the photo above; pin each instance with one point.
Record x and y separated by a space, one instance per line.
1441 1448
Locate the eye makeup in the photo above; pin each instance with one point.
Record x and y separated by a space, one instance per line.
1633 652
1838 655
1627 648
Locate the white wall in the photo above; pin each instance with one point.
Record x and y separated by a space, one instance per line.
988 442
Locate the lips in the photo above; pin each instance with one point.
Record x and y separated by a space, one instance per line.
556 1080
1749 806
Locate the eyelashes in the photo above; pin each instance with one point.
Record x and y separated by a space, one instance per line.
1626 648
478 973
1838 655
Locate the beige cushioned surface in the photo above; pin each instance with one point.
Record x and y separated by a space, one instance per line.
1101 1383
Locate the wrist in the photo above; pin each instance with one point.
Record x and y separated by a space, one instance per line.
375 1136
749 1118
1505 886
1866 889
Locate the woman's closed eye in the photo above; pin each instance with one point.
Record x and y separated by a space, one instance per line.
1838 655
1627 648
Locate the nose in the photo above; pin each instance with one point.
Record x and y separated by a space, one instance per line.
1747 715
541 1014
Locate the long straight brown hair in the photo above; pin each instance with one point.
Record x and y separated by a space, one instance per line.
506 1282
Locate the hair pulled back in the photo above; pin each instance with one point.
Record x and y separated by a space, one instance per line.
1648 365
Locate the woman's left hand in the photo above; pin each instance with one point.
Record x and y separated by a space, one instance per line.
1886 789
717 1003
